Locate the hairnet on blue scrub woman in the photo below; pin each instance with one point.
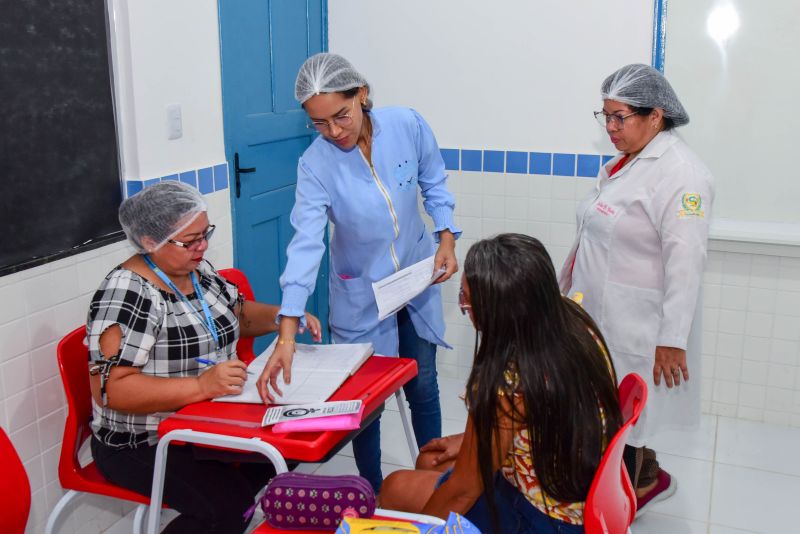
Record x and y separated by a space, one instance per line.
326 73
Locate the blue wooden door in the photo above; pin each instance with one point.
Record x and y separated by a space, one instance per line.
262 45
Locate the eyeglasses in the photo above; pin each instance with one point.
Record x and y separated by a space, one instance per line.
194 244
611 119
342 121
462 301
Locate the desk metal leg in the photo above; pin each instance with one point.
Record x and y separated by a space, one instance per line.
409 430
203 438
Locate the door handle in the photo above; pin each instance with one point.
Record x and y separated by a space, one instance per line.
237 171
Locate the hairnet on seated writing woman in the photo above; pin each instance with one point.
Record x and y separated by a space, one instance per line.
326 73
643 86
160 212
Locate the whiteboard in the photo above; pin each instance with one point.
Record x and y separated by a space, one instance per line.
740 92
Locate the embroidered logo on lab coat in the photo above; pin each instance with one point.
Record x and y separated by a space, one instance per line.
405 175
691 205
605 209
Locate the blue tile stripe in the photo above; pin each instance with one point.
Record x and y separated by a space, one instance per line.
515 161
206 179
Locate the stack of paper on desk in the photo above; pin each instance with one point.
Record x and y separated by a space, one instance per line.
317 372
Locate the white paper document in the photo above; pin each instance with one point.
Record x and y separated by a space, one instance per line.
317 372
394 292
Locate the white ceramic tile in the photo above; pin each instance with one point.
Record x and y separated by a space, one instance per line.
21 409
754 373
12 302
712 295
779 399
518 185
541 186
37 516
492 227
563 188
696 443
692 498
50 458
740 493
719 408
26 442
786 303
731 321
721 529
17 375
734 298
64 283
729 345
756 348
493 206
752 396
539 230
562 211
781 376
786 327
777 418
14 339
654 523
727 369
469 204
735 273
761 300
562 235
758 324
750 414
517 208
539 209
789 278
758 445
784 352
394 447
51 429
44 363
42 328
710 321
35 474
516 226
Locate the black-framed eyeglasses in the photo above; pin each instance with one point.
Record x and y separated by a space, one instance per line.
462 301
342 121
614 120
194 244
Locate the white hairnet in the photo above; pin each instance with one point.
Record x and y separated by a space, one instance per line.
326 73
644 87
160 212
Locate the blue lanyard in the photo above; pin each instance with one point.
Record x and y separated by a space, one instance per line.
209 320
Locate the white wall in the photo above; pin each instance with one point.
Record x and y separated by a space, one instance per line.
516 74
524 75
168 52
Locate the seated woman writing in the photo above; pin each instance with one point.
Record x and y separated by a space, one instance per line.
162 332
541 397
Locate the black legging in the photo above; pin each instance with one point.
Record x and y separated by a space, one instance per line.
210 495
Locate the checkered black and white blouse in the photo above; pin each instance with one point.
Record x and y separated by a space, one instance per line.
161 335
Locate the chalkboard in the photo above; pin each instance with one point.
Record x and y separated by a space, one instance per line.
59 165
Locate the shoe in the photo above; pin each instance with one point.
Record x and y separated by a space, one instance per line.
665 487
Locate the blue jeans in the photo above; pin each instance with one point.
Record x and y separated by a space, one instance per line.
422 393
515 513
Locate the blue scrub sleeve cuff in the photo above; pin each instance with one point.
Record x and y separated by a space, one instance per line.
443 220
293 303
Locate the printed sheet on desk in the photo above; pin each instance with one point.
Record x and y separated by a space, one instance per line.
317 372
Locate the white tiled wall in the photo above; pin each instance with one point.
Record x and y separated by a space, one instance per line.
751 342
38 307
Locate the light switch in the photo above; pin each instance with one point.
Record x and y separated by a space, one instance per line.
174 122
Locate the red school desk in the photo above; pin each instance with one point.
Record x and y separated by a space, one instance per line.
375 381
378 379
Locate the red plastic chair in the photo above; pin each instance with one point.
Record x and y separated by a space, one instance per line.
611 504
73 363
244 347
15 491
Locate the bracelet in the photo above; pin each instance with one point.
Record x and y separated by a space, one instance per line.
282 341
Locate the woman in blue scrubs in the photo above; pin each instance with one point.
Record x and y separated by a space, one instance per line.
362 174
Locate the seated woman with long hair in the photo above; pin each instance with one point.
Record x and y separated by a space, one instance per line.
541 397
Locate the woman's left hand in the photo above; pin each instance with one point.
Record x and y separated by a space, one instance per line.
671 363
314 326
445 256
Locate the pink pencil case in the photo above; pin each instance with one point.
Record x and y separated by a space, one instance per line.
318 424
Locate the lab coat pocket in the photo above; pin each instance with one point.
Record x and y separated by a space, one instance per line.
631 317
352 304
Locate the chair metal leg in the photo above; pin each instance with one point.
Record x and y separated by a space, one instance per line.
407 427
62 503
138 518
203 438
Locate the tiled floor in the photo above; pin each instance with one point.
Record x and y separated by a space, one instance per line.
734 476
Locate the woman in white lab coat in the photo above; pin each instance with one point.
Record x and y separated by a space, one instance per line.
638 259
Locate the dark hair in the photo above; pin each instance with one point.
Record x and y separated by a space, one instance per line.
565 379
668 122
349 93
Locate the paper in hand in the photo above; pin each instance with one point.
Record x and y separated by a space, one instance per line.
394 292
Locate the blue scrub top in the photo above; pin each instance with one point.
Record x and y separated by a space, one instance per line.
377 230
